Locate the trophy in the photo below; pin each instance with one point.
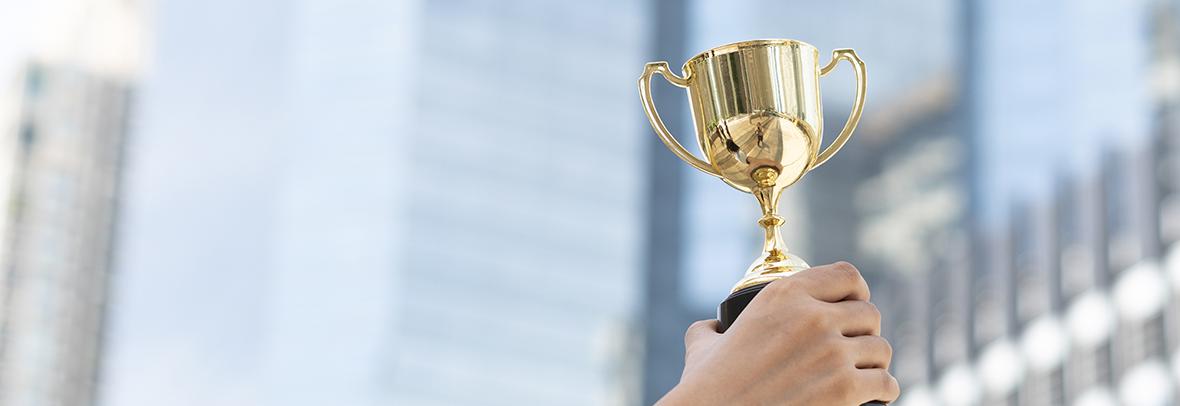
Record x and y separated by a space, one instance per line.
757 112
759 121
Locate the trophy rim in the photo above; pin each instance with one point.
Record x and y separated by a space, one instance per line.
736 46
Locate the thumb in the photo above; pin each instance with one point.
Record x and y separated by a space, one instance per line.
700 332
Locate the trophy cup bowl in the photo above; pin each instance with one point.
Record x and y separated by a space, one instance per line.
759 121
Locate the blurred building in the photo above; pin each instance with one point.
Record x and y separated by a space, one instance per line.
66 88
1018 229
470 183
1066 296
69 142
912 203
665 300
394 202
520 282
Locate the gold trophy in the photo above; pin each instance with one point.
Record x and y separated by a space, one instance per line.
759 121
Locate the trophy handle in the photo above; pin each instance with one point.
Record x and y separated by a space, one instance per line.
858 67
649 106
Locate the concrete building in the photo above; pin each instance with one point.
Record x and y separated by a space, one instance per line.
60 235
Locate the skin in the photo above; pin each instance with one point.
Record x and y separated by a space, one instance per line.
809 339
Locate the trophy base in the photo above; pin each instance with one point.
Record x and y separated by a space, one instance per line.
733 305
728 311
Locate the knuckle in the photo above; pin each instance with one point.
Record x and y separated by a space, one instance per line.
780 287
893 388
699 324
886 347
887 384
845 266
861 385
846 272
880 349
879 382
691 333
873 312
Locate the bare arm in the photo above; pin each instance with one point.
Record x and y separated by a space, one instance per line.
808 339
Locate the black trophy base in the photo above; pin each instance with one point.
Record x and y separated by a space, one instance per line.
728 311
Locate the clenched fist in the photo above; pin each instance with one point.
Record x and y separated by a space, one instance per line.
809 339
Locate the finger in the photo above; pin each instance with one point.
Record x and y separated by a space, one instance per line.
699 331
876 385
871 352
858 318
834 283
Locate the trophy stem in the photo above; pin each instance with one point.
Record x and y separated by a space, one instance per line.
773 249
775 261
768 194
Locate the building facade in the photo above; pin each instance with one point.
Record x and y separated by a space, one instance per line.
58 244
488 240
1012 270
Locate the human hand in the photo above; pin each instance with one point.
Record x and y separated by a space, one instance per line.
808 339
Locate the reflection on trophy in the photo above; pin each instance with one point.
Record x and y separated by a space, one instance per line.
759 121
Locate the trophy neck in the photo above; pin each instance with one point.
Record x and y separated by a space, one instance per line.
772 248
767 192
775 261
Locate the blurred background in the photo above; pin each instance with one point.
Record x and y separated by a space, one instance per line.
357 202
